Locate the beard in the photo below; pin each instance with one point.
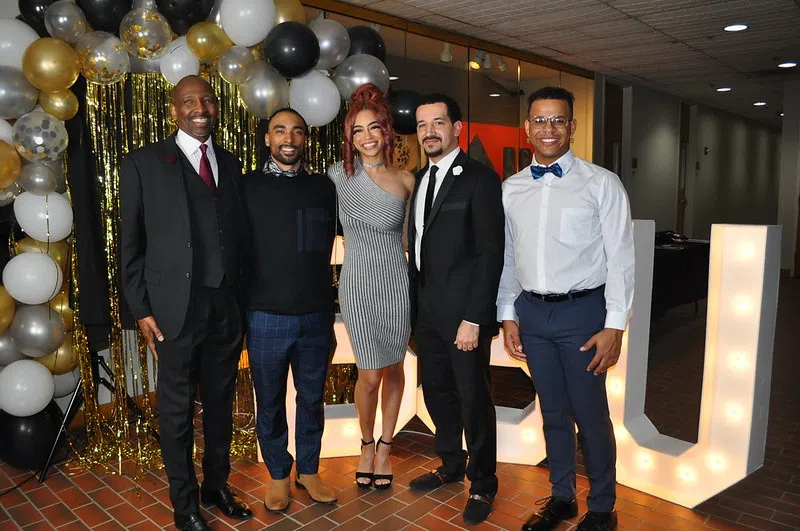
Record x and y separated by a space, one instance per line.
436 151
289 161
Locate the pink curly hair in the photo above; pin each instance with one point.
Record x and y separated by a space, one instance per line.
368 97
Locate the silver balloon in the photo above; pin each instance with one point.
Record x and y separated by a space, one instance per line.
39 137
265 92
139 65
64 20
236 65
37 330
9 353
7 195
334 42
359 70
145 4
17 96
58 169
67 382
38 179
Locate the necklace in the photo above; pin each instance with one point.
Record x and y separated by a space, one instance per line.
378 165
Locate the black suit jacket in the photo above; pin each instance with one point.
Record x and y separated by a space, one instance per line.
155 232
462 248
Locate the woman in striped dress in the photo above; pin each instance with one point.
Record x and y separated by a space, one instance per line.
373 286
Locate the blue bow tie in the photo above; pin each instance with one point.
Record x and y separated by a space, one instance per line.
539 171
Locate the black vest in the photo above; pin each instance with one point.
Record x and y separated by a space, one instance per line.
211 220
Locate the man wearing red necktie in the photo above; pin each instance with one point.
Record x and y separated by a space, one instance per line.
183 241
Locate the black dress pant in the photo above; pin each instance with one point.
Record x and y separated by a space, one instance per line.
206 352
457 387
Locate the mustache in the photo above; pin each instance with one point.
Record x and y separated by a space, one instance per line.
431 138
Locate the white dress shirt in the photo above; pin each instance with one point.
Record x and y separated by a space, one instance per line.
566 234
191 148
419 207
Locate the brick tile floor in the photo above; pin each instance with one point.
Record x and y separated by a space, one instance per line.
73 498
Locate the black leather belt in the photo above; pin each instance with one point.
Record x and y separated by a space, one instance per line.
566 296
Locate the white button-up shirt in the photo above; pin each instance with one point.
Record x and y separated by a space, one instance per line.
191 148
419 207
568 234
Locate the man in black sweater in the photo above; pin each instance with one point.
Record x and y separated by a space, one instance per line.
290 320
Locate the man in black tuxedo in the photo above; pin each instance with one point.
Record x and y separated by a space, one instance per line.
183 238
456 237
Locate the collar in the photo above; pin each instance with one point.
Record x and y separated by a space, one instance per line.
272 167
445 163
565 161
189 145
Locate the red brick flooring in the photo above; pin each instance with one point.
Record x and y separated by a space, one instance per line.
73 498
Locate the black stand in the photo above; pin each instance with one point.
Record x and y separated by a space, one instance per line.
76 402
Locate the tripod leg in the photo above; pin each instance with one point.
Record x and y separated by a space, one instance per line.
72 409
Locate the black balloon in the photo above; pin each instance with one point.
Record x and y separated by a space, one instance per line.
26 441
32 13
105 15
364 39
404 105
183 14
291 48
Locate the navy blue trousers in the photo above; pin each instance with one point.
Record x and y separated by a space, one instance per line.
552 335
274 343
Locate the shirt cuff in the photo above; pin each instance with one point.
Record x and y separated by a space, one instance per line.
470 322
616 320
506 313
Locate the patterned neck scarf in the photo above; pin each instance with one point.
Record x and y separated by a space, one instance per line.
272 167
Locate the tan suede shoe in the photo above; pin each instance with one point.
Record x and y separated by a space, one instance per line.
277 498
317 489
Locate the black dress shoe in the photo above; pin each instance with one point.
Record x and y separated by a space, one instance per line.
433 480
478 508
594 521
193 522
226 501
555 510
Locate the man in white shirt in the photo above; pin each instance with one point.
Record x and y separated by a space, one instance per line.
564 300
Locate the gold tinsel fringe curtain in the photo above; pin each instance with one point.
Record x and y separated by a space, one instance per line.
120 118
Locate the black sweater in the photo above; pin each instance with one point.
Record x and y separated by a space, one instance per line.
292 220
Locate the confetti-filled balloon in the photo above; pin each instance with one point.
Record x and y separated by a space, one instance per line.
145 34
104 59
40 137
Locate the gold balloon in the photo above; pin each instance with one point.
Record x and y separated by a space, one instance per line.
207 41
58 251
60 303
10 164
63 105
286 10
7 310
62 360
51 65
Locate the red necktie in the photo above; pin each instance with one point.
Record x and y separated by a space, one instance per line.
205 169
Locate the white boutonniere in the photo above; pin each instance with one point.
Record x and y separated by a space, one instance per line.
457 170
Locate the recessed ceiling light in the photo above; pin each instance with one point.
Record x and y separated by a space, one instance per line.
760 103
736 27
494 95
724 89
475 64
781 115
393 78
787 64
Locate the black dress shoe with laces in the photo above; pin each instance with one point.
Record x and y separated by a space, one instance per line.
226 501
433 480
594 521
554 511
193 522
478 508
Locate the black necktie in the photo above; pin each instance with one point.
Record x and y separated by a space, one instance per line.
429 194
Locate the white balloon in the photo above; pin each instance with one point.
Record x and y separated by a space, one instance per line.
179 61
315 97
247 22
26 387
6 132
44 217
66 383
15 36
32 278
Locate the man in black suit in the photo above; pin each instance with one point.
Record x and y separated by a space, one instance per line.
456 236
183 237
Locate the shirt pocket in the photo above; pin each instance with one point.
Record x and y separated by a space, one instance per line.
314 230
577 225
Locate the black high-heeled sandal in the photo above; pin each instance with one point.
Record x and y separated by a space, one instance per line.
378 477
365 475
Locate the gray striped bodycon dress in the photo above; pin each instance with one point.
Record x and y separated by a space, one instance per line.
373 286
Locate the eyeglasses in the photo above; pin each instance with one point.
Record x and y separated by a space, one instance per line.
558 121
